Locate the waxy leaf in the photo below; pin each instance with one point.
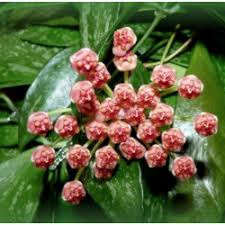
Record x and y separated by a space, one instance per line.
49 91
50 36
20 187
8 153
121 197
139 76
201 199
97 24
21 61
9 135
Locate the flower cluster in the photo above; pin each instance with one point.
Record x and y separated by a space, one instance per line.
116 116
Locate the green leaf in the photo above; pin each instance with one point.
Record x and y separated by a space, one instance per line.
201 199
50 36
49 91
67 21
8 153
17 5
21 61
97 24
139 76
21 186
21 14
121 197
182 60
9 135
98 21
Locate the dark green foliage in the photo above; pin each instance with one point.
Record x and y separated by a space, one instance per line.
36 42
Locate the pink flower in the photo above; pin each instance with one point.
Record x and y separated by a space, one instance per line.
127 62
173 139
134 115
39 123
163 76
102 174
206 124
84 61
119 131
190 87
96 130
124 95
83 95
184 168
78 156
66 126
162 115
43 156
82 91
106 158
147 131
148 96
99 76
132 149
124 40
73 192
156 156
89 108
108 110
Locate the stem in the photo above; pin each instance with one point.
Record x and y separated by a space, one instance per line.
155 22
4 120
177 52
87 143
9 103
80 171
172 155
126 76
108 90
157 142
157 46
60 111
169 91
168 46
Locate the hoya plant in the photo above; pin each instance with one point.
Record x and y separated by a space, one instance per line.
112 112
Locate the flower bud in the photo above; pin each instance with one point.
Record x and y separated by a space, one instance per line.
206 124
127 62
82 92
156 156
108 110
190 87
163 76
148 96
119 131
106 158
132 149
147 131
84 61
124 95
43 156
173 139
135 115
73 192
66 126
78 156
96 130
89 108
184 167
102 174
124 40
99 76
162 115
39 123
